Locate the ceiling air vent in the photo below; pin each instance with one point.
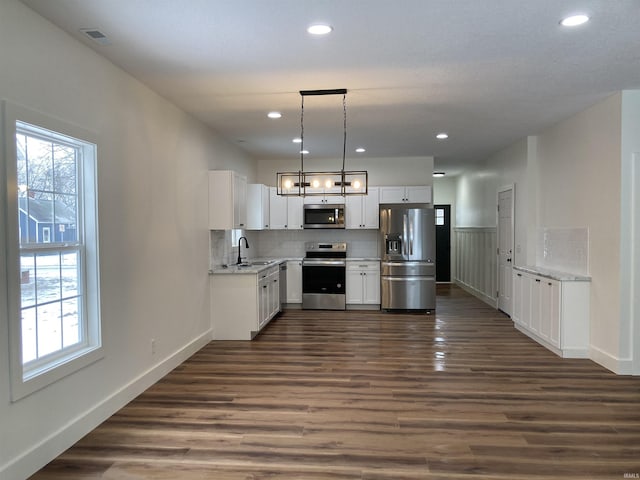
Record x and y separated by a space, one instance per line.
96 35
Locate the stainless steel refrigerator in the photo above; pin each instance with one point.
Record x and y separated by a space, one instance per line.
408 273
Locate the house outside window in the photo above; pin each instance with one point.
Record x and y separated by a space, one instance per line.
53 257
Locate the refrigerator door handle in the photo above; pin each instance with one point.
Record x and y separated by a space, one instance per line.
411 238
404 234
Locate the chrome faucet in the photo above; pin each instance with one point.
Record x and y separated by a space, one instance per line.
246 244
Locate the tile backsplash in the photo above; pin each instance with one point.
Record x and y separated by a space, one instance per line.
564 249
288 243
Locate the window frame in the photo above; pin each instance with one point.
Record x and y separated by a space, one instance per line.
51 368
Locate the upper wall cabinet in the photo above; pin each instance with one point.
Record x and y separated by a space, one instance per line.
400 194
361 211
329 196
227 200
257 207
285 213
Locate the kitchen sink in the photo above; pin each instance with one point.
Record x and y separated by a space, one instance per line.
256 263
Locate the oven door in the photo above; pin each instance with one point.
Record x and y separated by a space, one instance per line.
323 284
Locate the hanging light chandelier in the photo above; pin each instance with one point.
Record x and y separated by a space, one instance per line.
342 182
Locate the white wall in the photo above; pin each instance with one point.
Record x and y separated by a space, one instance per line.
579 178
630 230
152 183
382 171
476 219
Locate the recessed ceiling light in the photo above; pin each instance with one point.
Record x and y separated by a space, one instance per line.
438 174
442 136
297 140
360 150
274 115
304 152
574 20
319 29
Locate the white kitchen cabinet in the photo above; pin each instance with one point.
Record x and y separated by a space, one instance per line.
227 200
362 211
269 295
534 316
294 213
329 196
550 311
257 207
406 194
285 213
518 299
363 283
554 312
242 304
294 281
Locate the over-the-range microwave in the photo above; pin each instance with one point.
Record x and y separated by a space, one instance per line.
323 216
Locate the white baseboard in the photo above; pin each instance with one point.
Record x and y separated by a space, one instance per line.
52 446
492 301
616 365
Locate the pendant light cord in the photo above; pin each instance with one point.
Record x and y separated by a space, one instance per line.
344 142
302 134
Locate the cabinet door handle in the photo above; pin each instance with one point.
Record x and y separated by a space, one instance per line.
519 274
538 280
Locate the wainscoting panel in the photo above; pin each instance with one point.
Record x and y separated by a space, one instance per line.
476 261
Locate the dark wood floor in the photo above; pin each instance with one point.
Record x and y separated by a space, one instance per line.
365 395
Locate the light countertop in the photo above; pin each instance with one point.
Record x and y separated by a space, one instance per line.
553 274
253 269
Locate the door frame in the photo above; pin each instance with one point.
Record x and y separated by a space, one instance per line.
447 207
634 254
505 188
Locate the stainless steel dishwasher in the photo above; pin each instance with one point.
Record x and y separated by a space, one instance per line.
283 284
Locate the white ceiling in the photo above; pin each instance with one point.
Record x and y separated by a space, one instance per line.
488 72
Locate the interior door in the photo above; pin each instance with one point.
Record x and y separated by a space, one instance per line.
505 249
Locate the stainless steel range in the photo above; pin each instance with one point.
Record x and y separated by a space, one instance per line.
324 270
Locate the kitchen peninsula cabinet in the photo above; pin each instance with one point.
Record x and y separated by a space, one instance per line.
285 213
553 309
406 194
227 200
362 211
243 301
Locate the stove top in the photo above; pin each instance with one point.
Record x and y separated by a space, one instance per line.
325 249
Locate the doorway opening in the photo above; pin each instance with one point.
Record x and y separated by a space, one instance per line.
443 242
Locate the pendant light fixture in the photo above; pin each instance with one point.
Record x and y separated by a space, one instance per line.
342 182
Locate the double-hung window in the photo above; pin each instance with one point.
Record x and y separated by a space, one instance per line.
53 260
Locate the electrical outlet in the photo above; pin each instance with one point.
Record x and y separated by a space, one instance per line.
153 346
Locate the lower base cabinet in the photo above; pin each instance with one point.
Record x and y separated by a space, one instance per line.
243 304
294 282
555 313
363 283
